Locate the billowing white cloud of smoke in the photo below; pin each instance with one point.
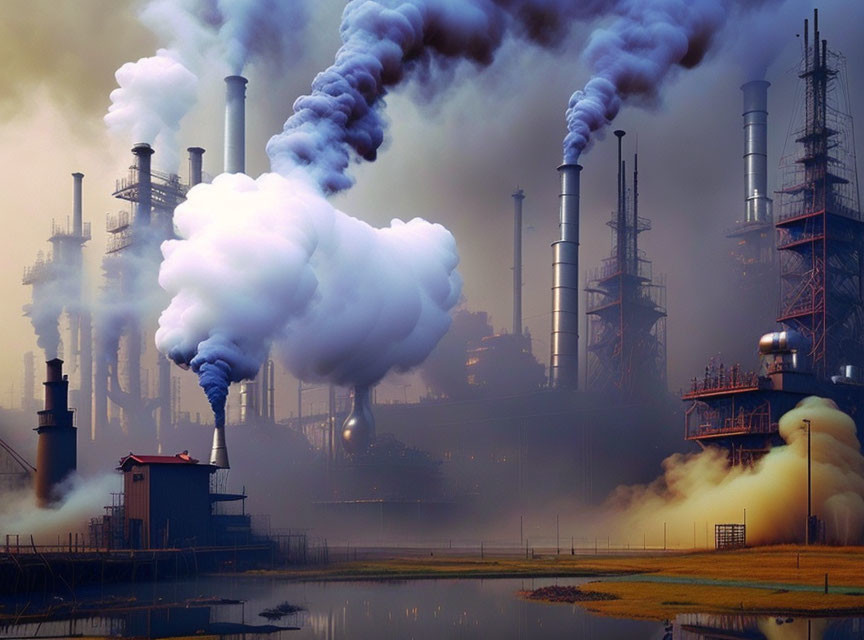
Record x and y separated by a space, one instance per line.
152 97
57 288
83 499
340 300
702 488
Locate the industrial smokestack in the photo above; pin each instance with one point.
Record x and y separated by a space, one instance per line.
235 124
621 213
219 450
518 197
564 363
77 219
142 152
758 204
196 165
56 450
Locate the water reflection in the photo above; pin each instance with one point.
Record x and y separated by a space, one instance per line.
425 609
710 627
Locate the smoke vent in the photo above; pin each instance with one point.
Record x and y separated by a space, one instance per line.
143 152
758 204
77 208
219 450
196 165
564 363
56 449
235 124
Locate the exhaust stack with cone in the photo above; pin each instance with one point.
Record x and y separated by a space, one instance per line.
219 450
564 363
235 124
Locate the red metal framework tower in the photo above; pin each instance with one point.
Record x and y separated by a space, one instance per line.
625 305
820 235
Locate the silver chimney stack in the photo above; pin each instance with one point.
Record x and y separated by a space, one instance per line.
518 197
758 204
564 363
219 450
196 165
235 124
77 209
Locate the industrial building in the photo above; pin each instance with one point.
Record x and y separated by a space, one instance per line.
820 250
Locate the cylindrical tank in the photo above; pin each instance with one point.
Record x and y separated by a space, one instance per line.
57 447
235 124
784 351
358 430
564 363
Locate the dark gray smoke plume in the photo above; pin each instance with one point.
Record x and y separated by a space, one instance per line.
633 56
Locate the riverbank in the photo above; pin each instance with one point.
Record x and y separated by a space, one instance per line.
782 579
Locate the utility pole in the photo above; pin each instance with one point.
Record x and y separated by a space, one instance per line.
809 486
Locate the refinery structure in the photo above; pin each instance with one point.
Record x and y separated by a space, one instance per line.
497 429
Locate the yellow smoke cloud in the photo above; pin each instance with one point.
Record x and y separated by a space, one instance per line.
701 489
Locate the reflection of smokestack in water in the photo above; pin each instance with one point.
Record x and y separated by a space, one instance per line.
518 197
564 363
56 450
219 450
758 204
196 165
358 430
235 124
142 152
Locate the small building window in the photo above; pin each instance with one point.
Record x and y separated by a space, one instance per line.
137 477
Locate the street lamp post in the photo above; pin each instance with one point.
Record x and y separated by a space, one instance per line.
809 486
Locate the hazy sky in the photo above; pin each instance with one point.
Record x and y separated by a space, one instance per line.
453 158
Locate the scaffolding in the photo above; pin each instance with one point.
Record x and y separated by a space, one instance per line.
820 235
626 307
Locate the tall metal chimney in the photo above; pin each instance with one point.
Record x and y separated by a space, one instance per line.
56 450
142 152
196 165
757 202
564 363
77 219
235 124
518 197
621 211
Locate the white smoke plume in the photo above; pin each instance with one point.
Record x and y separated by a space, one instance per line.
82 499
152 97
701 489
156 92
340 300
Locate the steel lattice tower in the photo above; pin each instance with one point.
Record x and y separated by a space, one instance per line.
626 307
819 230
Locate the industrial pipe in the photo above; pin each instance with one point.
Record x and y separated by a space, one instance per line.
235 124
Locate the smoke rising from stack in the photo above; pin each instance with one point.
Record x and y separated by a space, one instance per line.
702 488
156 92
340 300
633 56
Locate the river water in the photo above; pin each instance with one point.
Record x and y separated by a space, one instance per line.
419 609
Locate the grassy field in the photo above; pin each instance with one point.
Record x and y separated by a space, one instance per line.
781 569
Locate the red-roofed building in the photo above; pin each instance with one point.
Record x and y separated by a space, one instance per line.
167 501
